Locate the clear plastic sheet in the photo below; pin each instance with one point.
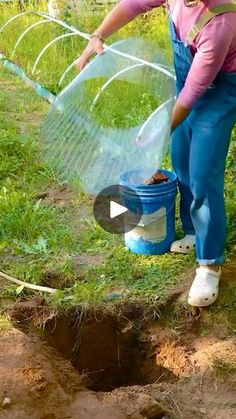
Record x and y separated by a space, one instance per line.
113 117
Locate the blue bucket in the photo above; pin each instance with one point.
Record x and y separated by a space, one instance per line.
156 229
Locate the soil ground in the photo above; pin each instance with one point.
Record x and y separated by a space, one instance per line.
192 376
136 367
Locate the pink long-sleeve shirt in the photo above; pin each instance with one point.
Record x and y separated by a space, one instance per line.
214 49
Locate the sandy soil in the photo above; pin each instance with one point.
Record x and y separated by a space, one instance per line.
41 385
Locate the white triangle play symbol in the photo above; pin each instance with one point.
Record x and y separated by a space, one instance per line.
116 209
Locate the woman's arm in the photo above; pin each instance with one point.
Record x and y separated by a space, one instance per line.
212 46
178 115
115 20
120 15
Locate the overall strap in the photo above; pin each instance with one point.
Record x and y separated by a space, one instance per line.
206 17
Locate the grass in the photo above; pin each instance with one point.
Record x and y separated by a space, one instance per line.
63 53
224 313
37 237
217 320
136 103
5 323
230 195
223 370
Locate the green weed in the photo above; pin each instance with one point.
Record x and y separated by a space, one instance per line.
223 370
5 323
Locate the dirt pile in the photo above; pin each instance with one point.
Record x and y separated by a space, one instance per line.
39 383
42 385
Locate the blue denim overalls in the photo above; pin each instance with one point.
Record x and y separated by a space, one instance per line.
199 150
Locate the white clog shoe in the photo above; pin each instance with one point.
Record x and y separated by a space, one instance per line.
205 287
185 245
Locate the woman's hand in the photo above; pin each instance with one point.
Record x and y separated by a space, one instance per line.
95 46
115 20
179 114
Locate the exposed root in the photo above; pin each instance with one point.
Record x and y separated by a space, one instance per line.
27 284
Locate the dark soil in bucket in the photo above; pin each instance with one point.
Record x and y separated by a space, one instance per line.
157 178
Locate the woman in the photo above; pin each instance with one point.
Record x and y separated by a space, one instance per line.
203 36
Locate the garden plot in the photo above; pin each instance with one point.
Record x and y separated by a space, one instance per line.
117 340
118 362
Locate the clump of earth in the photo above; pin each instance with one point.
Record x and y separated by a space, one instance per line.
156 179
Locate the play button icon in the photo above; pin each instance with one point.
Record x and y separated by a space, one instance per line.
117 209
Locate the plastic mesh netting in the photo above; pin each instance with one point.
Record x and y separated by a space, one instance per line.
114 117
